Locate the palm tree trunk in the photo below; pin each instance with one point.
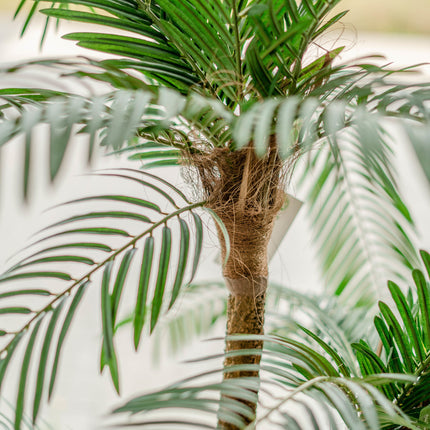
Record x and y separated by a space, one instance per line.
245 275
245 315
246 192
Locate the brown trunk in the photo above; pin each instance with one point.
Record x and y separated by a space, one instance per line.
246 192
245 275
245 315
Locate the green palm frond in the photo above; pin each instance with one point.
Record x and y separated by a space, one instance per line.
306 382
126 115
296 385
275 58
170 52
128 225
323 317
160 126
204 304
405 344
361 224
226 49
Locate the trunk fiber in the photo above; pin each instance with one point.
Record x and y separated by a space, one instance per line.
245 275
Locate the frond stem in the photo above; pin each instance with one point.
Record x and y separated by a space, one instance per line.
357 216
87 276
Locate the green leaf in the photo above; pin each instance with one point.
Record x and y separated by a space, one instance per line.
343 367
182 262
171 154
129 109
108 349
62 116
284 38
160 284
337 398
142 294
394 364
424 304
425 414
372 365
408 320
56 259
293 10
98 19
33 275
284 126
82 245
146 184
102 214
263 127
29 120
38 392
23 377
25 292
365 403
119 198
329 23
7 355
199 243
244 126
15 310
399 336
91 230
425 256
119 282
64 329
161 163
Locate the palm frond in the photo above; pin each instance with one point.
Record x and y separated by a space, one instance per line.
405 343
295 382
124 116
227 49
119 233
284 31
204 304
361 225
304 383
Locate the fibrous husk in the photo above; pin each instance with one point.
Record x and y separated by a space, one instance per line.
246 192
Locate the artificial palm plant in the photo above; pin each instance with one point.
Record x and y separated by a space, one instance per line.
236 92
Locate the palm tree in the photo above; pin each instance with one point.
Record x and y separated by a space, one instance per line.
230 90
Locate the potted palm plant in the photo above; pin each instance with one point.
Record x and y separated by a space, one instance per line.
231 91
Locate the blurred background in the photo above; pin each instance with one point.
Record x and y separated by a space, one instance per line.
393 16
398 29
388 16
